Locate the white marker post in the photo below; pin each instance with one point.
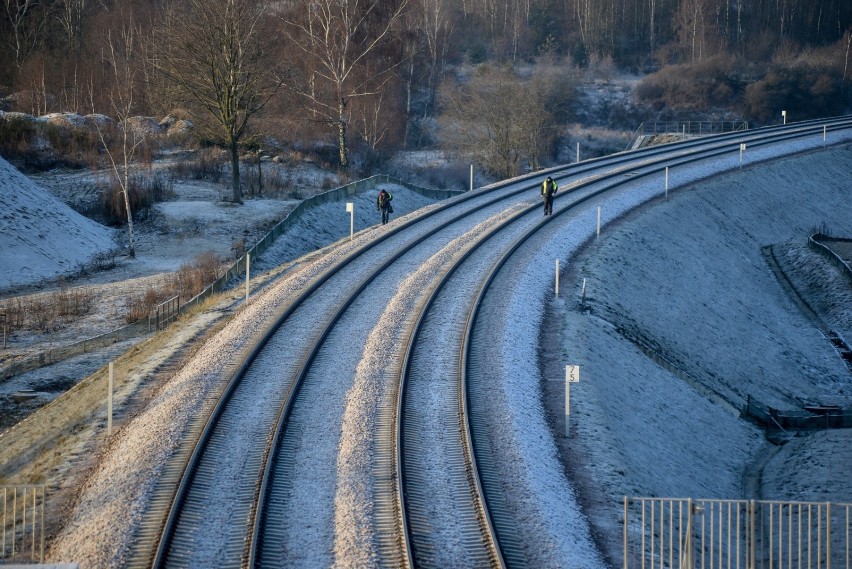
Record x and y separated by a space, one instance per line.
742 149
557 278
583 293
572 375
109 401
350 208
784 116
248 265
667 182
578 152
471 177
599 222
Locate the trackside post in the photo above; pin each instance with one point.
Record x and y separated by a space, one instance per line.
572 375
557 278
109 400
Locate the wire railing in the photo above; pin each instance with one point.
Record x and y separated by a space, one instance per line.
22 518
694 128
668 533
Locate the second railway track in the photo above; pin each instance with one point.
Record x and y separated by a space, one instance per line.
305 444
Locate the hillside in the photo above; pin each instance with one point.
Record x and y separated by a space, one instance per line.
42 238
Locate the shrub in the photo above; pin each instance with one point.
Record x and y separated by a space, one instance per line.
143 191
73 302
803 91
711 82
138 308
47 312
267 179
191 279
16 135
206 165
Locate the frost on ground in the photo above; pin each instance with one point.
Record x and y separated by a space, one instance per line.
685 281
40 236
355 544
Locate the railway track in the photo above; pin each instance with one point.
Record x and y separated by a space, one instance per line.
361 420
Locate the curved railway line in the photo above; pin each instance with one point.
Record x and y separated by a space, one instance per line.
435 494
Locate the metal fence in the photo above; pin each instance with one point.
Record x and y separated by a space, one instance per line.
829 247
165 313
699 128
735 534
22 515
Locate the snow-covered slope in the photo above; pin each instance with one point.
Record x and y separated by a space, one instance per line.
41 237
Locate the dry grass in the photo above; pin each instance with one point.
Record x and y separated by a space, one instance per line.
188 281
48 312
61 443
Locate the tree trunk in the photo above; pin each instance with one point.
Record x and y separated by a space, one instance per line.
408 101
259 176
846 62
341 133
235 171
127 206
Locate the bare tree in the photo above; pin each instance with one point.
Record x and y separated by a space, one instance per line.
217 56
690 27
71 15
498 120
436 28
119 57
24 34
339 41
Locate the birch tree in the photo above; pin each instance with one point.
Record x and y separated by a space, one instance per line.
339 41
20 14
119 58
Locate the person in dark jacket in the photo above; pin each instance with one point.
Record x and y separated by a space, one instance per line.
383 204
548 190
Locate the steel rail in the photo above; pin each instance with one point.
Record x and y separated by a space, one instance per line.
250 357
490 487
187 470
401 524
168 528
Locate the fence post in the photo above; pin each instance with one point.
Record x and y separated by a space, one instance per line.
625 531
751 530
43 500
5 502
248 264
109 400
557 279
828 535
14 515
